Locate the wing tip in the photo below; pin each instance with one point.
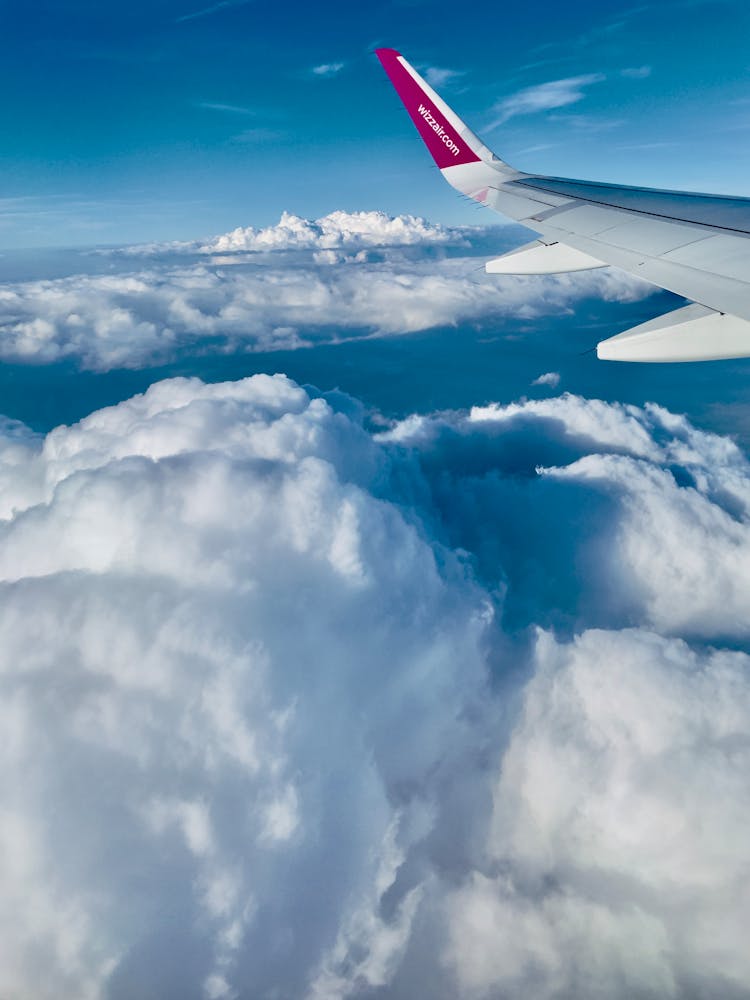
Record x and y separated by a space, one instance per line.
447 138
386 53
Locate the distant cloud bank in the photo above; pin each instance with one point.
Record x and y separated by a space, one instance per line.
283 287
338 229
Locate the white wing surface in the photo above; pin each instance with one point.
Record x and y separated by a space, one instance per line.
696 245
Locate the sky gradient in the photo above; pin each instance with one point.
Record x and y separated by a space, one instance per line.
170 119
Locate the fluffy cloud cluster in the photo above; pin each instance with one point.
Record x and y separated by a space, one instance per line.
234 684
159 312
634 510
290 709
616 862
336 230
550 379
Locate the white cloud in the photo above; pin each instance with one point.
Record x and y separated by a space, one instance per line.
458 709
551 379
544 97
618 829
220 301
212 9
338 229
656 514
328 69
231 676
232 109
616 859
438 76
291 232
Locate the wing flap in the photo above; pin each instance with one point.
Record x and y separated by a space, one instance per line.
543 258
692 333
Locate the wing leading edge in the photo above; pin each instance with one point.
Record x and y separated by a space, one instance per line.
696 245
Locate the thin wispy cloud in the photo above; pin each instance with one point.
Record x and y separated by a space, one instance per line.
595 34
231 109
607 29
438 76
539 147
636 72
206 11
544 97
328 69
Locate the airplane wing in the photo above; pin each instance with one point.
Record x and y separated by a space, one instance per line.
696 245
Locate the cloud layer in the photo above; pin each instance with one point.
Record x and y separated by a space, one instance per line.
220 302
333 231
460 708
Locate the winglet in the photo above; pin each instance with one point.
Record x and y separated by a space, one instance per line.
448 139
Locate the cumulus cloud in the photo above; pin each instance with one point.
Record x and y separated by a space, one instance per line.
615 857
618 832
551 379
544 97
221 301
210 777
338 229
458 708
645 510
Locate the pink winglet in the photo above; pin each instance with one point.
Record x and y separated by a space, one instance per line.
446 145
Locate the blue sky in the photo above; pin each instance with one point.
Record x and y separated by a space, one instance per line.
173 119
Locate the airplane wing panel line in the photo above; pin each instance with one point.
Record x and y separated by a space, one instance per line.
648 235
656 239
709 223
